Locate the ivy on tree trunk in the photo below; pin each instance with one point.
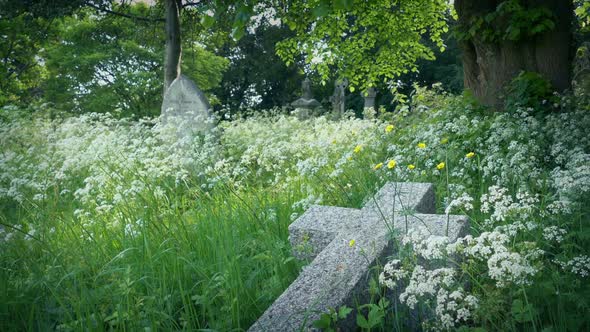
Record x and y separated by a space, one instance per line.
499 39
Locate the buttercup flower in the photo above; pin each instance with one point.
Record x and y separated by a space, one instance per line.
470 155
351 243
421 145
389 128
391 164
378 166
411 167
358 148
440 166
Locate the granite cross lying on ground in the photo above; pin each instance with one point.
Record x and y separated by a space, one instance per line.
339 271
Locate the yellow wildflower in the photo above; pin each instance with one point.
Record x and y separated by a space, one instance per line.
444 141
470 155
358 148
440 166
389 128
421 145
351 243
378 166
411 166
391 164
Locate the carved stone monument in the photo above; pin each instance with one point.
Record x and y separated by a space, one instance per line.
306 103
186 108
338 98
339 271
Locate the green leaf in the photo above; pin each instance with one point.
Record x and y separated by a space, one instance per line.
522 313
207 21
513 33
343 4
324 322
362 322
548 23
321 10
344 312
237 33
375 316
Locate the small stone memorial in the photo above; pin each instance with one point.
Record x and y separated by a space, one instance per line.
306 103
339 271
186 108
370 96
369 110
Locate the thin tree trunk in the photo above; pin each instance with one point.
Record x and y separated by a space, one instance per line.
489 67
173 44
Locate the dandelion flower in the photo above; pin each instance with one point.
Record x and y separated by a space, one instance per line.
422 145
351 243
358 148
378 166
440 166
470 155
411 166
391 164
389 128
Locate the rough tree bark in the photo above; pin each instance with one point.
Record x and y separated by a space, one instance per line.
488 67
173 45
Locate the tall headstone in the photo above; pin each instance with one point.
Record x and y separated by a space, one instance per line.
306 103
338 98
186 107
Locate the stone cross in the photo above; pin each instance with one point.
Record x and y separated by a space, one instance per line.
306 102
186 108
339 271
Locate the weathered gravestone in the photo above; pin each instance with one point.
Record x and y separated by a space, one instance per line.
339 272
306 103
369 110
186 108
338 98
370 96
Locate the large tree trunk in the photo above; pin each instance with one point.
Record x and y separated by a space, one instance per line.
173 46
488 67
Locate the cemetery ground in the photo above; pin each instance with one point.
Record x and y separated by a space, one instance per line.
111 224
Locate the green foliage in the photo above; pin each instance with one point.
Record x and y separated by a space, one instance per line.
256 71
583 15
366 42
375 315
113 64
529 89
510 21
329 321
21 70
49 9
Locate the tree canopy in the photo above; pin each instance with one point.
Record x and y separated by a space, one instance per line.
365 42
